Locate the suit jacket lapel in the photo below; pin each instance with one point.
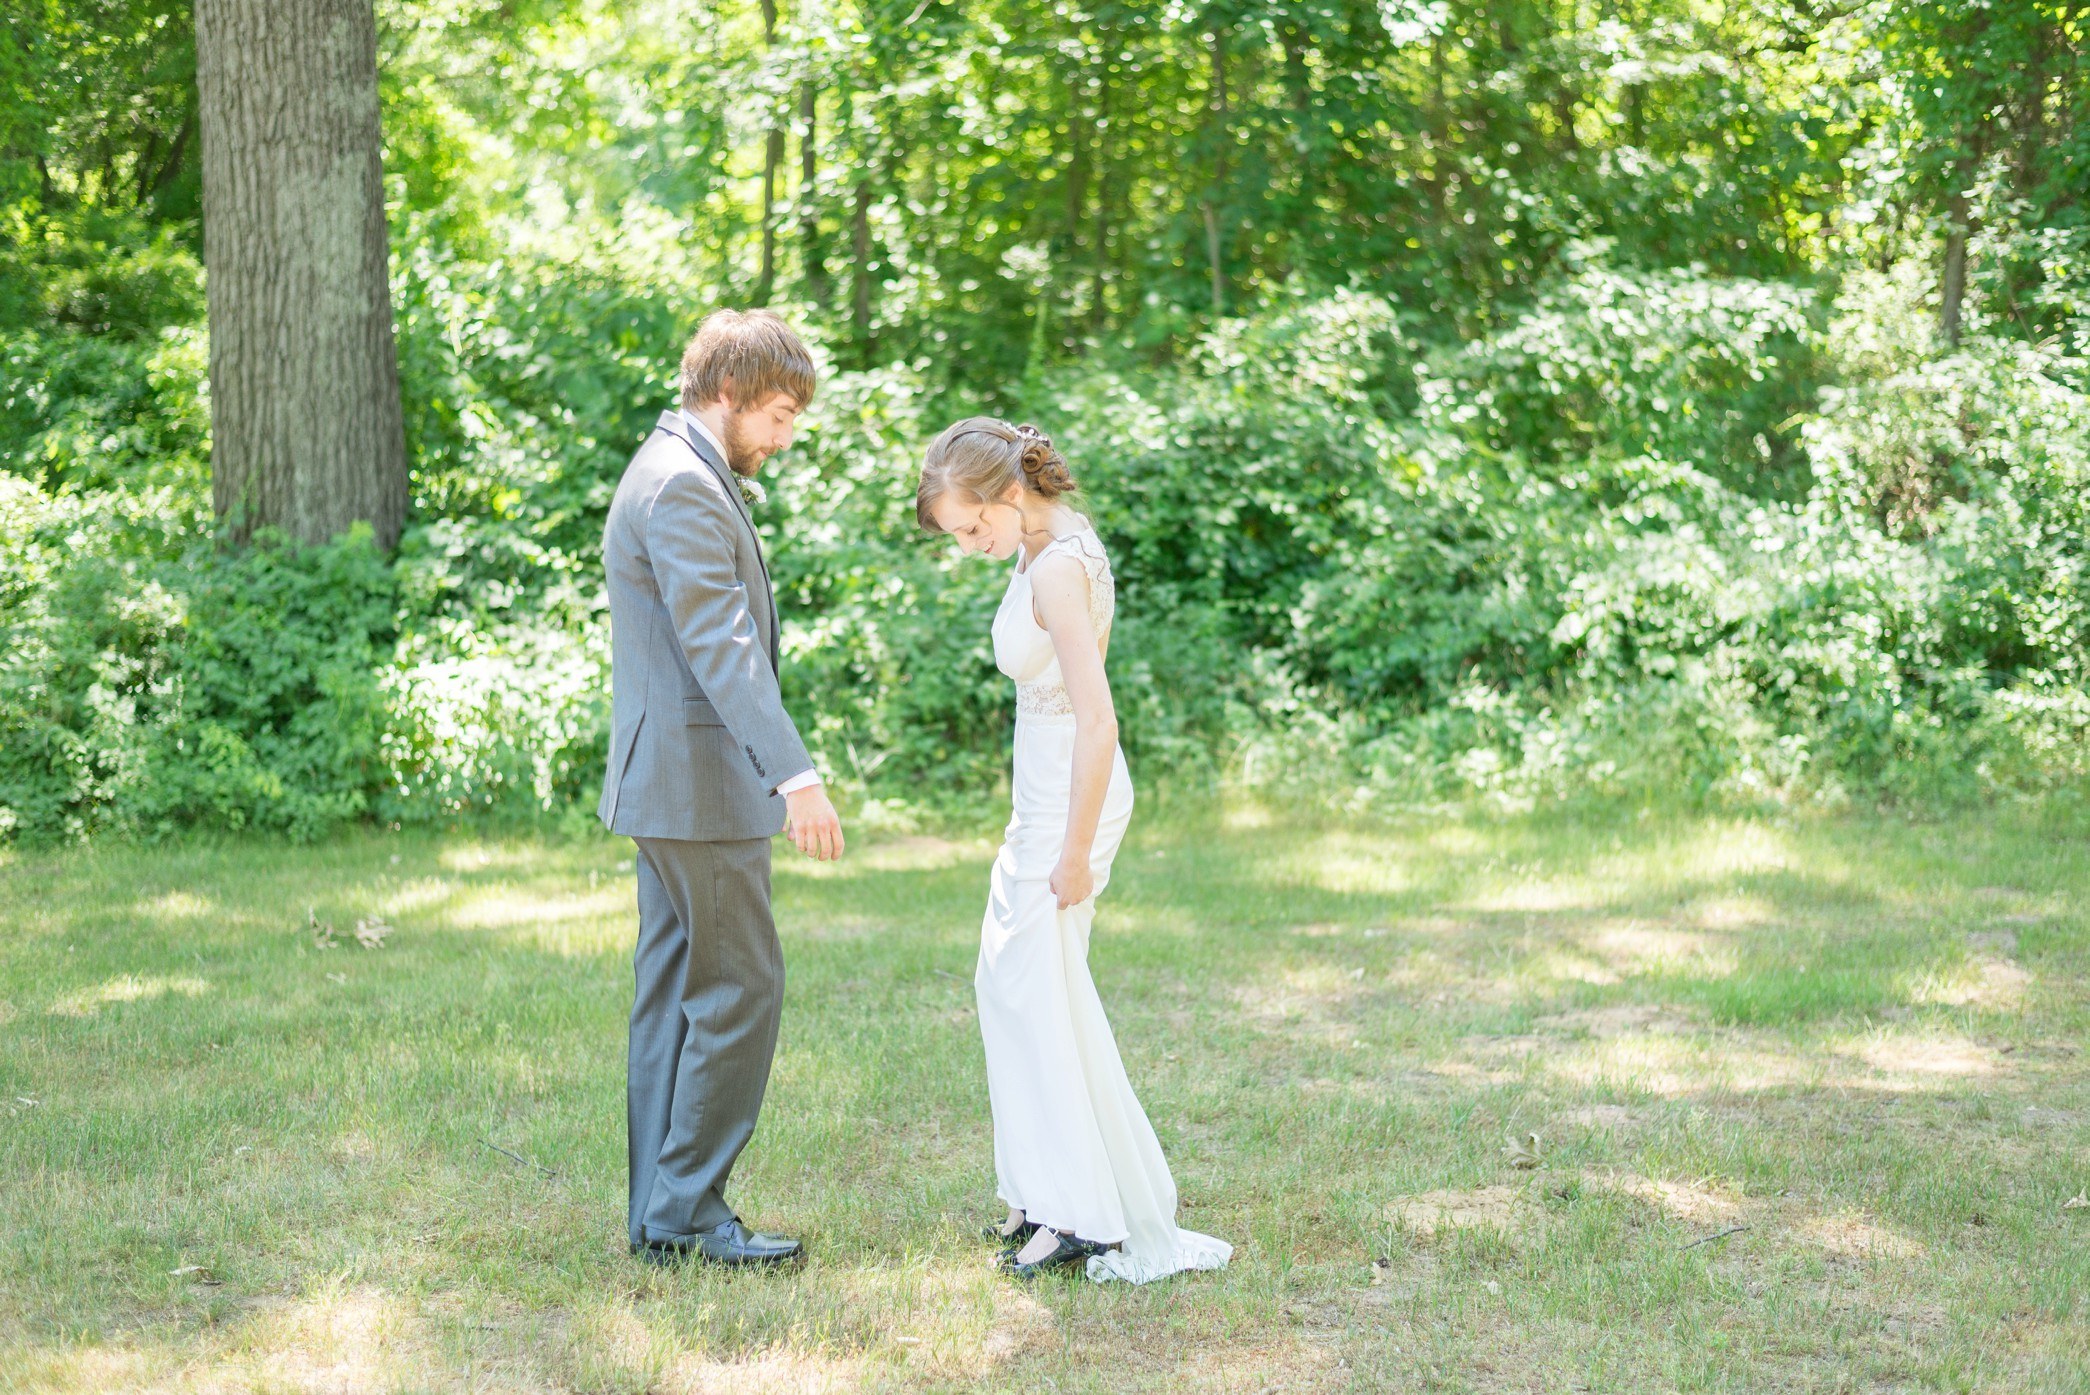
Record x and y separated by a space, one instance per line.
671 422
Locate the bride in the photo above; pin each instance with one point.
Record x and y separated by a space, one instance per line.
1075 1159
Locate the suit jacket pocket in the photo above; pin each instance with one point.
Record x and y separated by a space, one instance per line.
698 712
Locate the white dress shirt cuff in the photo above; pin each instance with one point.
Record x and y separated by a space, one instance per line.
802 780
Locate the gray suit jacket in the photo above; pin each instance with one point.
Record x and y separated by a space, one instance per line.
699 739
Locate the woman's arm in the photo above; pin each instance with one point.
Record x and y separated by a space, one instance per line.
1060 592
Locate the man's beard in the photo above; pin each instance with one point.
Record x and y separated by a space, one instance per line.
741 453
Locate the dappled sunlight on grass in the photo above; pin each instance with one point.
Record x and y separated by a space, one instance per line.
571 926
1673 1066
914 853
356 1338
1729 911
175 905
1247 816
1850 1236
127 988
1723 850
1557 964
1631 948
420 894
1912 1062
1698 1202
1303 1003
1458 840
1349 862
339 1339
86 1368
405 1163
1983 981
1543 894
1500 1208
510 857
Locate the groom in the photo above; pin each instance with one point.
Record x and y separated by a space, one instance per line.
705 767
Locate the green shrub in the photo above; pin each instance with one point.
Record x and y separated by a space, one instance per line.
148 681
1609 548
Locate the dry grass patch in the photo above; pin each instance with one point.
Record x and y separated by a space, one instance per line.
1503 1208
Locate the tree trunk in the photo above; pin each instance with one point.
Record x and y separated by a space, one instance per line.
172 165
2032 123
772 159
860 256
1214 239
1099 238
808 194
306 430
1080 134
1954 282
1298 83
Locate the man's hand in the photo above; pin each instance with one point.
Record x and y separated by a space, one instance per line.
812 823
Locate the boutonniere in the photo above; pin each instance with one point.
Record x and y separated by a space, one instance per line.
751 491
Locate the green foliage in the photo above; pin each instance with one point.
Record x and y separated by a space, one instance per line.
1676 364
149 681
1471 399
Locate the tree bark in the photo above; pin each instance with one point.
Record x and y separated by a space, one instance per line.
1080 132
172 164
860 256
808 194
772 160
1953 284
1099 310
1214 238
1298 83
306 428
2032 121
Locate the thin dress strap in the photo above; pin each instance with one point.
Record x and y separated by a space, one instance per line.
1086 548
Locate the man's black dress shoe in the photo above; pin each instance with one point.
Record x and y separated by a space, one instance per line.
1069 1250
729 1243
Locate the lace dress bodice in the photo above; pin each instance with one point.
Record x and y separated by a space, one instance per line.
1022 647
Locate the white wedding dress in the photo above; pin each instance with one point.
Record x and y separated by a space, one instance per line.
1072 1148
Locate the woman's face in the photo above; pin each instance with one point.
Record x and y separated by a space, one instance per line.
993 529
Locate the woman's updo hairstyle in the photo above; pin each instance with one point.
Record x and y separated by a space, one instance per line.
980 457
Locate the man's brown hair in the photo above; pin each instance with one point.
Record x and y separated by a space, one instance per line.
743 356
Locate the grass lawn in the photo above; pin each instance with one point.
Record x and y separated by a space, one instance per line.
1850 1049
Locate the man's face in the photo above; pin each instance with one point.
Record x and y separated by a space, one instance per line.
758 432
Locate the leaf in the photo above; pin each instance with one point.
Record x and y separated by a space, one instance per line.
371 932
1524 1154
337 978
2079 1202
322 930
1381 1267
197 1272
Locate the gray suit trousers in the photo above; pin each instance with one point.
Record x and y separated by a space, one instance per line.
709 998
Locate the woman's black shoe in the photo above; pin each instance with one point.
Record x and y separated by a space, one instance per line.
1011 1240
1070 1250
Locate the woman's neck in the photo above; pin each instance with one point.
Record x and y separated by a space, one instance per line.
1041 528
